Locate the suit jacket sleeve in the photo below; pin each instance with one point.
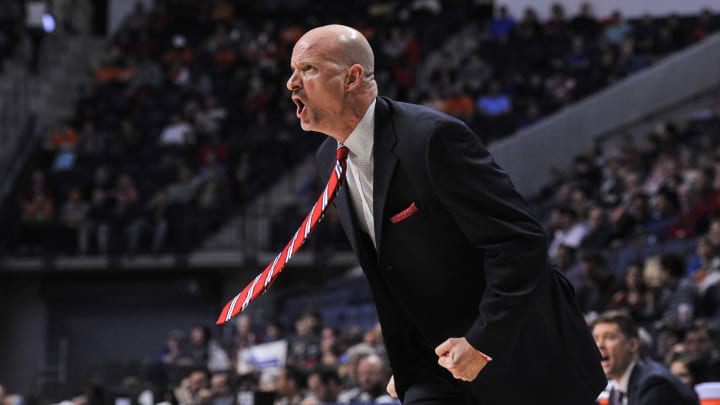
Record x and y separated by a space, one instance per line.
492 215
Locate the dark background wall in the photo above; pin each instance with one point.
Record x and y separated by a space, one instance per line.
105 319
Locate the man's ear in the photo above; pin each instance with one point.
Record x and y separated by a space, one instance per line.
354 76
635 345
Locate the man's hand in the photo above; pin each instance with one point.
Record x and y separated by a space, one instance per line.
391 387
460 358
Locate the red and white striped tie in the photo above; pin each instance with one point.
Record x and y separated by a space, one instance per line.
263 280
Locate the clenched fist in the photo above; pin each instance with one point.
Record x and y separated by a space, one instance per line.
460 358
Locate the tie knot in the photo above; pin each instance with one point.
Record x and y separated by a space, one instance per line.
342 153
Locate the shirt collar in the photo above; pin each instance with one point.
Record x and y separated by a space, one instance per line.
361 139
622 385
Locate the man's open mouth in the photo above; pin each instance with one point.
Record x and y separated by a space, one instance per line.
300 107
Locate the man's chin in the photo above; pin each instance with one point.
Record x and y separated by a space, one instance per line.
306 126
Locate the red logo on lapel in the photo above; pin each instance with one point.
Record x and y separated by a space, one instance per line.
404 214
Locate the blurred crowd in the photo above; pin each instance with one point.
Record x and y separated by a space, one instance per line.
186 118
172 135
518 69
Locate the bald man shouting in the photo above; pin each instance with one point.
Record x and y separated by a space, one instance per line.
471 310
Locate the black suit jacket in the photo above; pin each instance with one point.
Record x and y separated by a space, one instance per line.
652 384
469 262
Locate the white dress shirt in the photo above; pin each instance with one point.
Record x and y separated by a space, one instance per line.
360 166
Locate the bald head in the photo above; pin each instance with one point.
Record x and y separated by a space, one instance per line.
343 44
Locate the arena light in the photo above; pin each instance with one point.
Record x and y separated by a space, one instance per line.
48 22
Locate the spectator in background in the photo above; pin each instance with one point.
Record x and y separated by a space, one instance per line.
688 368
644 33
221 389
194 389
566 260
214 149
638 380
242 336
555 26
707 281
206 352
211 201
349 370
178 133
156 218
529 27
578 59
617 28
210 118
100 215
676 296
599 230
330 346
64 136
325 385
37 223
148 76
699 341
74 220
374 339
678 32
494 105
704 261
568 230
706 24
633 297
634 217
291 386
663 214
181 210
501 25
598 283
37 184
629 61
584 23
474 72
274 331
174 353
668 340
126 223
7 398
459 104
304 347
372 373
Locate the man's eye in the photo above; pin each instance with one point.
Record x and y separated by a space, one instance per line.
306 68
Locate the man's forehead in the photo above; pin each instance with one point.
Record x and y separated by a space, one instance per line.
607 326
312 49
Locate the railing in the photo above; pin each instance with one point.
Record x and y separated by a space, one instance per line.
17 155
14 112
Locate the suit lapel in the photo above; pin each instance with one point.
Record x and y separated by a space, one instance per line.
342 203
385 161
632 391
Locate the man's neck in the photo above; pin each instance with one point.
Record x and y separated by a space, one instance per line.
623 381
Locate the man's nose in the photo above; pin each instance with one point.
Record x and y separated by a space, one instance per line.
293 82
